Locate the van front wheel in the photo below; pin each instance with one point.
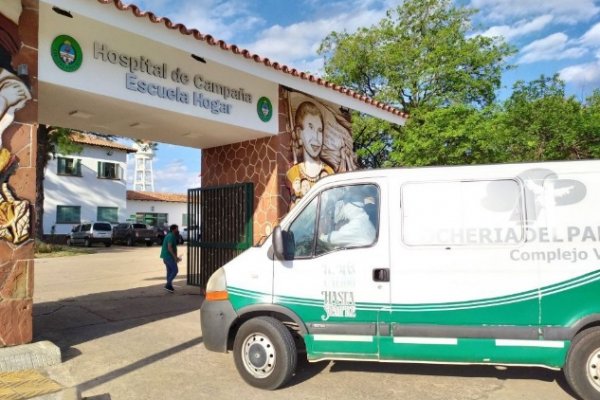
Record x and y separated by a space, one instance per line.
265 353
582 368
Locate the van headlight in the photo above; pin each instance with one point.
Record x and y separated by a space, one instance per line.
216 288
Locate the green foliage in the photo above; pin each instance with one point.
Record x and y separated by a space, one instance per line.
544 124
536 123
458 134
60 142
419 57
373 141
45 248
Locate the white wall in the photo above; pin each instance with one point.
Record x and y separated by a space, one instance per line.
88 191
175 211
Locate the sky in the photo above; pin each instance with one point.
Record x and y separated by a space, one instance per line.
552 36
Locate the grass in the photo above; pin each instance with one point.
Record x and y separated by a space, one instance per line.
46 250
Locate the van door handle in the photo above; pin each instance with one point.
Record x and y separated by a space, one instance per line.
381 274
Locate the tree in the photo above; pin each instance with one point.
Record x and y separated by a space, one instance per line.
544 124
454 135
419 57
538 122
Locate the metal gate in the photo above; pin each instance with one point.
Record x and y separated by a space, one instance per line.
219 228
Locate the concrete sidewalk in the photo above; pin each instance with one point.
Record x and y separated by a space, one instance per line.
103 311
123 337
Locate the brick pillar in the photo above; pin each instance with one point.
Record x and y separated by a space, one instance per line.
16 260
263 162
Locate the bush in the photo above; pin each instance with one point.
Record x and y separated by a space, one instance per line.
45 248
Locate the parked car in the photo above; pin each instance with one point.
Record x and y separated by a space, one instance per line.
159 234
132 233
183 234
89 233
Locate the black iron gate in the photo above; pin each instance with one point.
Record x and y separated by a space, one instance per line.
219 228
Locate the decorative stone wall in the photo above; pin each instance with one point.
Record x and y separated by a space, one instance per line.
16 260
263 162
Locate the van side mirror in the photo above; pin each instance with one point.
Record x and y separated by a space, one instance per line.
283 244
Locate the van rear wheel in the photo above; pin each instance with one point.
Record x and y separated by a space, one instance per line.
265 353
582 369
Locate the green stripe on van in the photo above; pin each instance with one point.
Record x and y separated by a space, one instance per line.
562 304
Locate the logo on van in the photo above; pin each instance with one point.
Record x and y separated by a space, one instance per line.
544 191
66 53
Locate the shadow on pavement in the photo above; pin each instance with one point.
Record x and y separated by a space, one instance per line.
481 371
99 380
71 321
306 370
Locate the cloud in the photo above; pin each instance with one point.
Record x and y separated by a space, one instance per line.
222 19
587 74
519 28
569 12
297 44
592 36
175 177
556 46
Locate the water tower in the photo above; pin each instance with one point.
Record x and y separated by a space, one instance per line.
144 180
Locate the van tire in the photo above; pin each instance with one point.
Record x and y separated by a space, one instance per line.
129 241
87 243
582 368
265 338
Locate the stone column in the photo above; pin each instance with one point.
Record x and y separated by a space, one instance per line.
263 162
19 139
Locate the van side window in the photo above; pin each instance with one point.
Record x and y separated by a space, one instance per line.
348 217
467 213
303 230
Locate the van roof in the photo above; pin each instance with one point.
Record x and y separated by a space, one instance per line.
480 171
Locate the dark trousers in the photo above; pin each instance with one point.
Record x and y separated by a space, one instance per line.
172 271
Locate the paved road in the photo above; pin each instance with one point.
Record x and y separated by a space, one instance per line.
123 337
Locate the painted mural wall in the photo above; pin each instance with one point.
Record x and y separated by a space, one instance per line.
18 129
314 140
321 137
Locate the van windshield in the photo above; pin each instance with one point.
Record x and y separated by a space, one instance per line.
139 226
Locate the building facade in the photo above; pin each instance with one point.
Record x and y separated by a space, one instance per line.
84 187
157 209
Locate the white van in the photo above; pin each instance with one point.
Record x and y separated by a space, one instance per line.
495 264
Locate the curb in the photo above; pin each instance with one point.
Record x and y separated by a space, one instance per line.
29 356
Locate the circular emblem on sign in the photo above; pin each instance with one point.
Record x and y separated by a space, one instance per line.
66 53
264 109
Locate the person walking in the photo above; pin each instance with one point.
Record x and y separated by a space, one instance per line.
169 256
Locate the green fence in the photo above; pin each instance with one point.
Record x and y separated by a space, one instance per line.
219 228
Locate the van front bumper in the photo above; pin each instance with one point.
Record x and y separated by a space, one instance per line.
216 318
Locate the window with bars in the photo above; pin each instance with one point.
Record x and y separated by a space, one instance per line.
107 170
68 214
108 214
68 166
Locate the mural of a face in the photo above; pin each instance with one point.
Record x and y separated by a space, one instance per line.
311 134
321 143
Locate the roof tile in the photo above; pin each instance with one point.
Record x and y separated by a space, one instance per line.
83 138
156 196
